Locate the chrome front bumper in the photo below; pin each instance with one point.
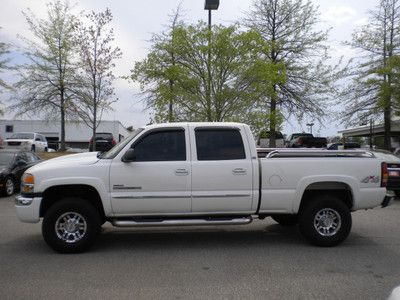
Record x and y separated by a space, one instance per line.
28 208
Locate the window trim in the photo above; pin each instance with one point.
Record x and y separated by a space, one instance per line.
220 128
164 129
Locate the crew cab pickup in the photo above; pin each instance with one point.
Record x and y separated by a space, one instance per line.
198 174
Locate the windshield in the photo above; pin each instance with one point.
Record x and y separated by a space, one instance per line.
118 147
6 158
22 136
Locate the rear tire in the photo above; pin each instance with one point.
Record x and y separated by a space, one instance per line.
285 220
71 225
325 221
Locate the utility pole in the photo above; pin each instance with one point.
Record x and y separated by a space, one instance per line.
209 5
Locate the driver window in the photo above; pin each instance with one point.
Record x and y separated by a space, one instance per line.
167 145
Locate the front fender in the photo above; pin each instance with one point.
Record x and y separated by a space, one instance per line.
96 183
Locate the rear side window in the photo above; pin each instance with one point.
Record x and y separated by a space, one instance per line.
219 144
161 146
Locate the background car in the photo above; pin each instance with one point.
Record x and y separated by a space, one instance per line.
308 141
393 164
349 145
13 163
28 141
294 136
104 142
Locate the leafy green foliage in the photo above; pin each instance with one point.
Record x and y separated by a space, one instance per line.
216 76
374 81
45 82
97 55
288 28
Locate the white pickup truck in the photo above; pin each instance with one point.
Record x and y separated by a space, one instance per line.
198 174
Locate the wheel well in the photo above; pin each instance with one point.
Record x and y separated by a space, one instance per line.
57 193
337 189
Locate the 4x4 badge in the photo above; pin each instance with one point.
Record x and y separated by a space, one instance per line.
371 179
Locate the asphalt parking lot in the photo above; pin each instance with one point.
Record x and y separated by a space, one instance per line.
258 261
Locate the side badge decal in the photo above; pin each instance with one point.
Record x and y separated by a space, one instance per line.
371 179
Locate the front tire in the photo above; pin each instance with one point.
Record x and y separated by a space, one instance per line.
9 187
325 221
71 225
33 148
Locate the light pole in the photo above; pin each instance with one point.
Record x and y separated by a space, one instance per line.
210 5
310 125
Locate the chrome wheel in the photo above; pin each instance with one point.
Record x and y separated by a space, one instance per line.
71 227
327 222
9 186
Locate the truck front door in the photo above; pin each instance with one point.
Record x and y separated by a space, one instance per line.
158 181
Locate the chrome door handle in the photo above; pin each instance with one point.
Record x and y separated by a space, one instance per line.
181 172
239 171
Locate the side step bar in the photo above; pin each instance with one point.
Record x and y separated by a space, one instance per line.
180 222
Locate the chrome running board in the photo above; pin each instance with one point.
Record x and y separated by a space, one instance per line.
180 222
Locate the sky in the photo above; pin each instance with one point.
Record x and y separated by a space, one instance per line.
135 21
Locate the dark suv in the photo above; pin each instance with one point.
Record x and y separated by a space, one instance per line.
104 141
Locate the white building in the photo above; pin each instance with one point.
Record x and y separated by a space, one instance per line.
77 133
375 131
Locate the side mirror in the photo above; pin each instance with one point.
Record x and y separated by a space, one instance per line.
129 155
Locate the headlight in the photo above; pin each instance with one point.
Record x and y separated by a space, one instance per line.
27 183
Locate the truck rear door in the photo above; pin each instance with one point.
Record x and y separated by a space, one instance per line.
222 172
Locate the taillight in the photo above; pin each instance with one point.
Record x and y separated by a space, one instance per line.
385 175
113 142
299 141
91 141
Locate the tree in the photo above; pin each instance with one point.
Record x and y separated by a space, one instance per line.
159 72
393 69
212 74
95 92
4 66
4 63
45 82
288 26
372 89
